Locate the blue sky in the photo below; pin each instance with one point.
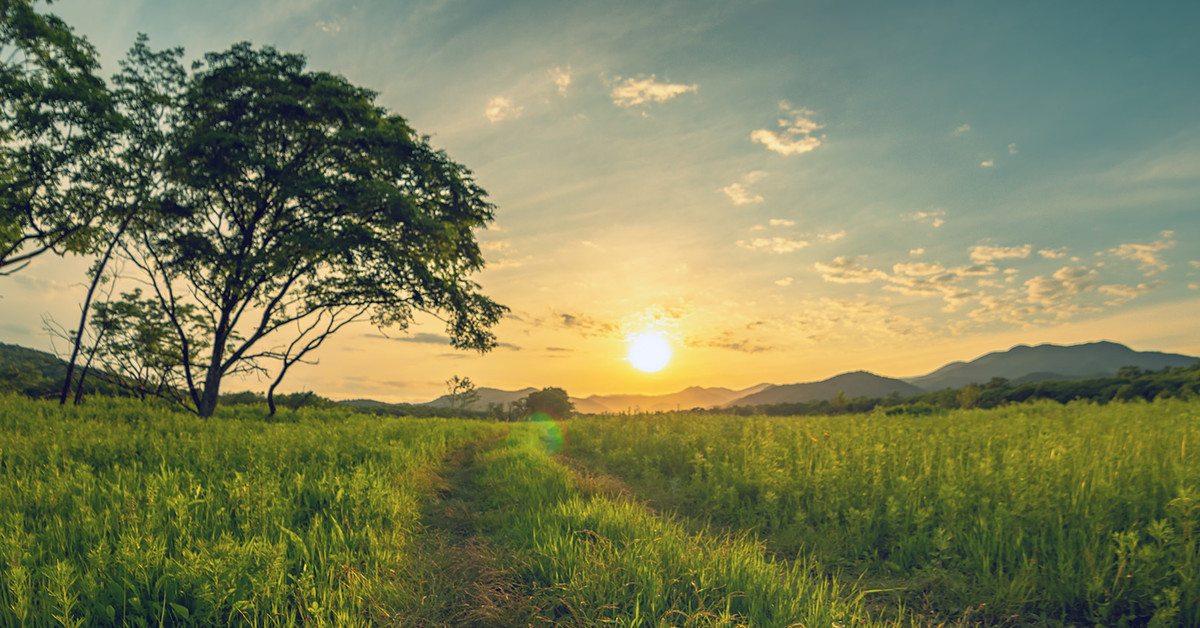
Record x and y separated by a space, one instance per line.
786 190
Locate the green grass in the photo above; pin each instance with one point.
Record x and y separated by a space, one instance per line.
115 513
593 560
1041 512
123 513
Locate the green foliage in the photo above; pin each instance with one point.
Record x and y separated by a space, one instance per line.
117 513
56 119
291 204
1077 512
553 402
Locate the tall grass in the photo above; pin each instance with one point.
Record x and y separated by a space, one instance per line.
597 560
1077 513
116 513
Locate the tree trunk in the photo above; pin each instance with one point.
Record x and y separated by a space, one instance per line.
87 304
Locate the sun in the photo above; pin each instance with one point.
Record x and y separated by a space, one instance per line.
649 352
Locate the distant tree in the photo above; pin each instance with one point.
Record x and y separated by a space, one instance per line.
839 402
56 117
552 401
292 205
969 396
461 393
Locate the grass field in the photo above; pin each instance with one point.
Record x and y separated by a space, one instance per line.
118 513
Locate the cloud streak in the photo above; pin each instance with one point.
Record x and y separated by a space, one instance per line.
795 136
643 89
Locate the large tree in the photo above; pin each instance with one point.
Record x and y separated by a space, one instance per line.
56 117
292 204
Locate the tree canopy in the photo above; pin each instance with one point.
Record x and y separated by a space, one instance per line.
56 120
290 205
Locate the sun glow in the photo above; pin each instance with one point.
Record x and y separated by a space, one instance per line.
649 352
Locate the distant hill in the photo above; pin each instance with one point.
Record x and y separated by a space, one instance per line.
487 396
686 399
48 364
1047 362
856 384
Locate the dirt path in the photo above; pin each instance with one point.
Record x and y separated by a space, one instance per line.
465 582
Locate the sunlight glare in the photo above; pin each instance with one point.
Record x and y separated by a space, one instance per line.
649 352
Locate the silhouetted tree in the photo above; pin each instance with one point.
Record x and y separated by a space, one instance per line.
552 401
291 205
461 392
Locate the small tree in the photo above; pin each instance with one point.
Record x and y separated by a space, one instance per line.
552 401
461 393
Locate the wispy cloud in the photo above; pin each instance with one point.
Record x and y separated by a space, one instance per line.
846 270
785 282
987 163
740 195
918 269
1012 149
643 89
330 27
1146 255
774 245
1123 293
832 237
796 134
781 222
934 217
561 78
1058 253
1056 292
962 129
502 108
983 254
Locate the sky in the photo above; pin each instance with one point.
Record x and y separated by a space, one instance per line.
783 191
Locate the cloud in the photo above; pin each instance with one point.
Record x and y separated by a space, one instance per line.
781 222
1012 149
561 78
727 341
987 163
916 252
418 338
740 195
918 269
963 129
983 254
583 324
932 217
846 270
640 90
774 245
1054 292
796 136
329 27
1123 293
785 282
1058 253
1146 255
832 237
501 108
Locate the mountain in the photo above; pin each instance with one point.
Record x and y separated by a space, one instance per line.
856 384
1023 363
686 399
487 396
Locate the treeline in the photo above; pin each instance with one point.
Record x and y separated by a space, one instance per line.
1128 384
